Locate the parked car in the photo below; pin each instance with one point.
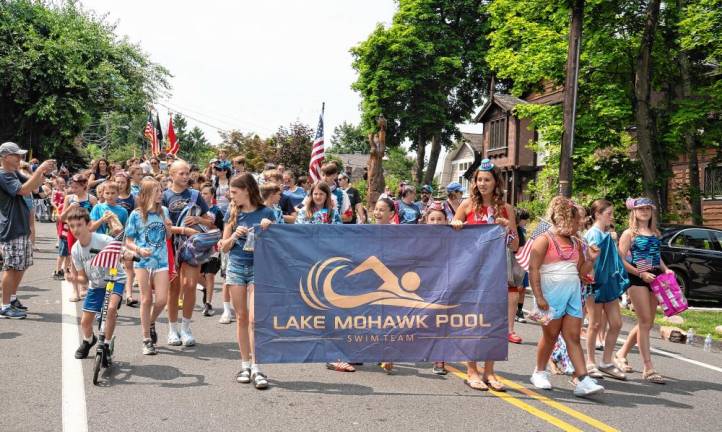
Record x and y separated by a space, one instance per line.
695 254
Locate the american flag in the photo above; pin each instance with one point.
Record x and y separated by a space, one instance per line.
317 151
523 255
150 134
109 256
644 265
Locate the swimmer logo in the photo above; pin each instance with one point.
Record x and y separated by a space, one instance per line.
392 292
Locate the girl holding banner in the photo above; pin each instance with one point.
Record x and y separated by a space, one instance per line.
486 206
245 210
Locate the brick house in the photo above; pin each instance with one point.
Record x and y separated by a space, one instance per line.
710 176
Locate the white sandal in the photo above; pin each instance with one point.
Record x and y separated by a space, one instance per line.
259 380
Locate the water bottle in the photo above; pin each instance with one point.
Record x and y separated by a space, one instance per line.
690 336
250 244
708 343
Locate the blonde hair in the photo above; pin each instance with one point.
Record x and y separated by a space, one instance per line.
146 199
634 223
177 165
564 215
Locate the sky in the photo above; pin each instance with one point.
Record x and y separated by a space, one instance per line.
253 65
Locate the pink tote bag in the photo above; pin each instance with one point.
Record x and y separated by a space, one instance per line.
669 295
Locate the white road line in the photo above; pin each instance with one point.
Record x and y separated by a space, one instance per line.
74 411
673 355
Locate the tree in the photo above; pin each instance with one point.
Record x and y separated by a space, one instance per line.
256 150
194 147
64 69
348 138
293 146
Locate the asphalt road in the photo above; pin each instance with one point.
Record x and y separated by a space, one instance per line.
194 388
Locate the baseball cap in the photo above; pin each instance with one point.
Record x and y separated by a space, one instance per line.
427 189
9 148
455 187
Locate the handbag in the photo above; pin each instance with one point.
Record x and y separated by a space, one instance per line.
669 294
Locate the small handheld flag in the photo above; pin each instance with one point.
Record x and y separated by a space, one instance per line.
317 150
109 256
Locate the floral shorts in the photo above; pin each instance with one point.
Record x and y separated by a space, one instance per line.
17 253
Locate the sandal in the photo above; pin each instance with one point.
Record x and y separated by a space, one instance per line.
259 380
653 377
74 299
623 364
476 384
439 368
495 385
244 376
340 367
593 372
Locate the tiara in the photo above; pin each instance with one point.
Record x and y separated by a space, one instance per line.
486 165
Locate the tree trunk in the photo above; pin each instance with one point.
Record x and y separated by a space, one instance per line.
695 191
420 156
643 114
433 159
570 98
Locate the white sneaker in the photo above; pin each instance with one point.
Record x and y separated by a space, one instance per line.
200 287
587 387
225 318
540 380
173 338
187 337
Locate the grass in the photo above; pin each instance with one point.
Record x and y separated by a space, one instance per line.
702 322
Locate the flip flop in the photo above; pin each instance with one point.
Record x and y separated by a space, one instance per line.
74 299
340 367
653 377
495 385
387 367
476 384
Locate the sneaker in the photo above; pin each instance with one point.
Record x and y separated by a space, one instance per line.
149 347
56 275
439 369
84 348
187 337
520 317
208 310
174 338
514 338
12 313
153 334
540 380
17 305
587 387
225 318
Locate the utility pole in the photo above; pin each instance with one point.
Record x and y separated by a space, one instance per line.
570 98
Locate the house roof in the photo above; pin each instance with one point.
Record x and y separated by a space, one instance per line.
475 139
354 160
504 101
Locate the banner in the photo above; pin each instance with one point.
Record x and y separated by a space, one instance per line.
369 293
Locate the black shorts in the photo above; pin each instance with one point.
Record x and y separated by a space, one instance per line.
212 266
635 280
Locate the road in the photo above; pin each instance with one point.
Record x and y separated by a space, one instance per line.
194 388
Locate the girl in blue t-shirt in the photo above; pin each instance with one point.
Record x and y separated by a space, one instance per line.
146 232
319 207
245 210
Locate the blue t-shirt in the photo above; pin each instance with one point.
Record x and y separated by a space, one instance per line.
177 202
100 209
237 255
296 197
149 234
408 213
14 211
127 203
134 189
319 217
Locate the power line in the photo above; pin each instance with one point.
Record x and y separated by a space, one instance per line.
223 118
171 109
184 111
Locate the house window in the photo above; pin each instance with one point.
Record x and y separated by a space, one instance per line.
713 182
497 134
461 168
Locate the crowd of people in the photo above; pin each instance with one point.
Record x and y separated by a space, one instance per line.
156 207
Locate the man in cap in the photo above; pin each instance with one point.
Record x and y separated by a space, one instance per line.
15 244
426 201
454 193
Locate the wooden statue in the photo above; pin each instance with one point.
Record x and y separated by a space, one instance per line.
376 182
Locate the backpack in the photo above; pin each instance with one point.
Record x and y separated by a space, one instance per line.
198 248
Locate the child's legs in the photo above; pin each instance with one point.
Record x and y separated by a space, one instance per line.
210 281
251 321
112 315
488 369
571 329
161 284
645 306
189 279
86 324
146 300
239 299
614 320
511 309
594 314
131 277
173 294
550 333
226 293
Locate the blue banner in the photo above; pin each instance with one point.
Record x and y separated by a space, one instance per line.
368 293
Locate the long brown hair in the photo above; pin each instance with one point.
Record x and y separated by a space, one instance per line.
497 198
323 187
146 199
634 224
246 182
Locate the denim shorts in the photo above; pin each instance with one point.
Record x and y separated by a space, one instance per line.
239 274
95 297
63 249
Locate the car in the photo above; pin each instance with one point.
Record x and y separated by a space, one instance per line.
695 255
